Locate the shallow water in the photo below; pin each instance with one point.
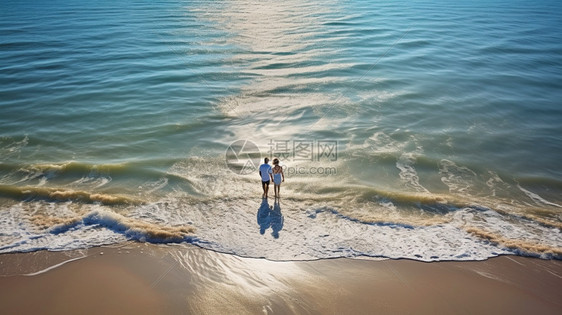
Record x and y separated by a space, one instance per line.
422 130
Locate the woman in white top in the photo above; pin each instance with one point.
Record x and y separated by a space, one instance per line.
278 177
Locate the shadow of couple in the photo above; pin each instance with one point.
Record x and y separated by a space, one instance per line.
270 216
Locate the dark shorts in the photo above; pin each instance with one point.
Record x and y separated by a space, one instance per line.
265 183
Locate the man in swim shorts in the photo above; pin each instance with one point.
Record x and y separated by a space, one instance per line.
266 174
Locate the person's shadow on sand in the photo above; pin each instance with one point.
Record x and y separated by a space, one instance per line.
264 219
270 217
276 219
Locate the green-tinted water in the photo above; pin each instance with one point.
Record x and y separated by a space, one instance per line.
432 125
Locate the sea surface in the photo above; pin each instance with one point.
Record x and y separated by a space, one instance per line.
426 130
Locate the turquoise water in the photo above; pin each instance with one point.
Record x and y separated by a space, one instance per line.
430 127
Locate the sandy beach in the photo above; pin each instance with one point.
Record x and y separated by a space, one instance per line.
137 278
132 134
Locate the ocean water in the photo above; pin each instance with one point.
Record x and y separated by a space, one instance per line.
427 130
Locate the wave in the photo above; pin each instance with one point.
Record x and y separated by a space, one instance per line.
66 230
87 181
319 218
73 169
538 199
133 229
66 167
30 193
522 247
307 229
11 147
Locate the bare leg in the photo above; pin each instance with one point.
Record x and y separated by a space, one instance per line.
266 189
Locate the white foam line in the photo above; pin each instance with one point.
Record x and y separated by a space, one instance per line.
52 267
165 273
537 198
164 182
408 173
554 274
104 180
515 261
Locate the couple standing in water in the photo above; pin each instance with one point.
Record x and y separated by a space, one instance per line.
269 174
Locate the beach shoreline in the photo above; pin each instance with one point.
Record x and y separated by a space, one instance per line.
144 278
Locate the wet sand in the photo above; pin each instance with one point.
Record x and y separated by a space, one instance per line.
136 278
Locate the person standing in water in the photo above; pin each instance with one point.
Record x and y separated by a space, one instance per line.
278 177
266 176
